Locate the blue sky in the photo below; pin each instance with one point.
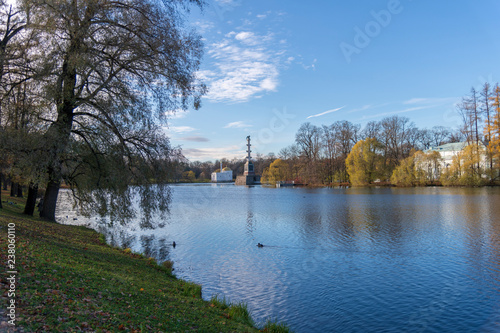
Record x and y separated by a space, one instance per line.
272 65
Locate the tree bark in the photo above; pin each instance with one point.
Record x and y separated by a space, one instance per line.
1 178
19 191
50 200
13 189
59 132
29 209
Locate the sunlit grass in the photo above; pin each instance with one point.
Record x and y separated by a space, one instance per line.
68 280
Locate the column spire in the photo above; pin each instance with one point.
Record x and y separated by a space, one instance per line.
248 150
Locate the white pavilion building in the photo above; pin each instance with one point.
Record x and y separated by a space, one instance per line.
223 175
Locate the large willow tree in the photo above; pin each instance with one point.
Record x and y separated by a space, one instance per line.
111 68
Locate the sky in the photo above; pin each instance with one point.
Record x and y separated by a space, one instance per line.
272 65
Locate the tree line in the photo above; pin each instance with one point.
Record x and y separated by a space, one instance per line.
84 90
319 153
324 154
390 150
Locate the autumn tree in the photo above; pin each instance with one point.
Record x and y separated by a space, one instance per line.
291 155
189 176
405 174
277 171
428 165
308 140
340 137
463 169
494 143
365 163
439 135
371 130
486 109
12 24
395 138
470 112
111 70
417 169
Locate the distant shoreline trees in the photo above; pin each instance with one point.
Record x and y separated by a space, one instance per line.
389 151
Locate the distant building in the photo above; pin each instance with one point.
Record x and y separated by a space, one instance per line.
447 151
434 167
222 175
450 150
249 177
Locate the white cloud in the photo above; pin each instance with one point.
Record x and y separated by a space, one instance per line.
204 154
181 129
237 124
247 37
203 26
398 112
363 108
225 2
195 139
176 114
326 112
437 101
245 66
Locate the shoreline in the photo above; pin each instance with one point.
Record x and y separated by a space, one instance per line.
69 278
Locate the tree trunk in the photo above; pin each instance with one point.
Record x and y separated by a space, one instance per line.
50 200
4 179
1 177
13 189
59 132
29 209
19 190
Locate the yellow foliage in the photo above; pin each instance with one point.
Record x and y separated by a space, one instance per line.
428 166
364 163
405 173
277 171
466 168
494 145
188 175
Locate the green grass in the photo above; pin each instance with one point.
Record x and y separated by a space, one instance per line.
236 311
69 281
276 327
239 312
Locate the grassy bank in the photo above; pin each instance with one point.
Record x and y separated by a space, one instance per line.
70 281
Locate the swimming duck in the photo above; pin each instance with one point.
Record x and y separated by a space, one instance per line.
260 245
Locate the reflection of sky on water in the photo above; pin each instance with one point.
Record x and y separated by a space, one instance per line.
375 259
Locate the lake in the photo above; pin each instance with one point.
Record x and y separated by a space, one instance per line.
335 260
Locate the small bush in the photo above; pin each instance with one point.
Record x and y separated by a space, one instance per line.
168 265
127 250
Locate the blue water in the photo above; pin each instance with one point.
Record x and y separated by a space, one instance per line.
337 260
